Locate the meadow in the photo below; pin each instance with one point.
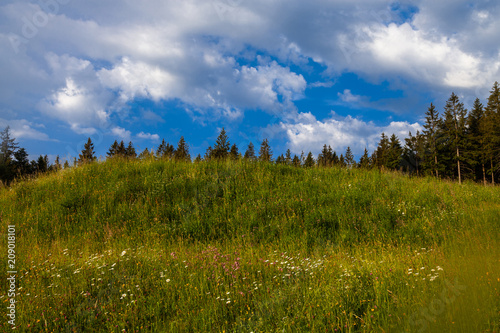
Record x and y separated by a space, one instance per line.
164 246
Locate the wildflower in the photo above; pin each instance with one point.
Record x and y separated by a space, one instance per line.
168 280
123 253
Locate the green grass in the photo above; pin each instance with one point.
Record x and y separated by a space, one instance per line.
248 247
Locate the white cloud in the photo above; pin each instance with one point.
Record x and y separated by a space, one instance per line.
148 136
24 129
310 134
348 97
121 133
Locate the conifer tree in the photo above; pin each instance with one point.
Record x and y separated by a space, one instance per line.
364 160
222 146
325 157
309 161
475 154
288 157
8 146
130 151
382 152
265 153
280 159
87 155
431 134
296 161
57 164
66 164
165 150
145 154
394 154
21 164
454 129
197 159
233 153
491 130
113 150
250 152
412 152
208 154
182 151
349 158
121 150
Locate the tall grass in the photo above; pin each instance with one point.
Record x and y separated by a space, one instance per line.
248 247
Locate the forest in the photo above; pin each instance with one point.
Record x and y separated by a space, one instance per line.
456 144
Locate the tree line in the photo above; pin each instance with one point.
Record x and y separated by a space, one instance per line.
459 144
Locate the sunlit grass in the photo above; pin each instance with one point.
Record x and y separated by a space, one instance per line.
163 246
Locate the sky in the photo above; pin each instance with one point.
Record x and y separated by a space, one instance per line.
299 73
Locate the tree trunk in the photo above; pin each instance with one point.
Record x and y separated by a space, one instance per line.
436 165
458 162
484 175
492 173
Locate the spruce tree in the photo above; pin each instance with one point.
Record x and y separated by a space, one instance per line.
394 154
197 159
364 160
250 152
309 161
222 146
349 158
491 131
288 157
21 164
130 151
265 154
66 164
145 154
432 133
475 154
382 152
87 155
233 153
182 151
454 129
296 161
113 150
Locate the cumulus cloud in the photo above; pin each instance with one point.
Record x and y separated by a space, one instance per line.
309 134
148 136
24 129
122 133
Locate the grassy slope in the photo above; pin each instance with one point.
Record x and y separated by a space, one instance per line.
250 247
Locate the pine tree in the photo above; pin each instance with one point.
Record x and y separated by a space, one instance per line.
182 151
87 155
57 164
197 159
309 161
431 134
349 158
222 146
265 153
250 152
130 151
121 150
233 153
454 129
66 164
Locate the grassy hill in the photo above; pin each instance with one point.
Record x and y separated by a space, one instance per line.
248 247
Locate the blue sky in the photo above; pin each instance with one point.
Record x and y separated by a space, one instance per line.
300 73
